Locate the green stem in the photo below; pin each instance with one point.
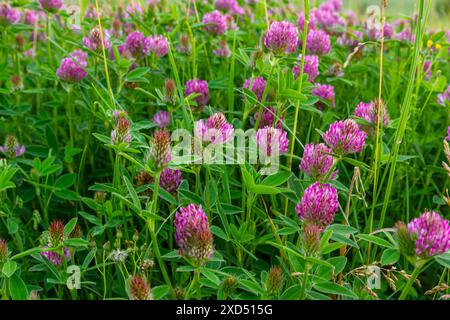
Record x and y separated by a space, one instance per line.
300 86
47 31
405 110
305 282
415 274
151 228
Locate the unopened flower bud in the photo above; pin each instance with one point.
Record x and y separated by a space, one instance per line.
229 284
274 280
138 288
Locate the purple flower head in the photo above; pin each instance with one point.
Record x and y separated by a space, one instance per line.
231 6
121 134
91 13
337 4
345 137
327 17
51 5
215 23
431 234
349 39
12 148
32 17
369 113
9 15
271 140
72 68
214 130
373 32
135 9
318 42
161 119
256 85
158 45
55 258
311 67
318 205
55 238
282 37
448 134
427 69
137 44
192 233
94 41
160 151
317 161
388 30
268 118
56 233
351 18
223 50
301 21
325 92
444 98
170 180
80 56
197 86
405 35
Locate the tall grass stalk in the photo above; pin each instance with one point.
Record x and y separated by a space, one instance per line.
108 82
300 78
405 109
376 161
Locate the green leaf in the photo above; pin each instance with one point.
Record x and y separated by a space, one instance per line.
52 141
67 195
92 219
251 286
342 229
28 252
12 225
375 240
132 193
89 258
390 256
191 196
247 178
68 228
443 259
357 163
334 288
76 242
160 292
291 293
210 275
9 268
137 75
219 233
186 269
66 181
17 288
275 180
263 189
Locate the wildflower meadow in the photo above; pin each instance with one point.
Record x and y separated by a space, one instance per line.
224 150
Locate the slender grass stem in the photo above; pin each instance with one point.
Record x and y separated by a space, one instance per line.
406 108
